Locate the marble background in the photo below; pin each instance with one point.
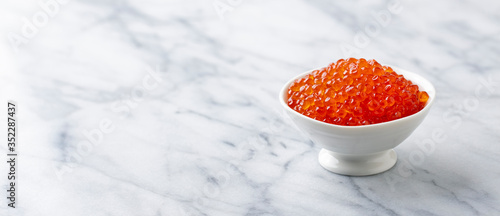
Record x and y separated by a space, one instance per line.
170 107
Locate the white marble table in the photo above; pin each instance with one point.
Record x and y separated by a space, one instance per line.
170 108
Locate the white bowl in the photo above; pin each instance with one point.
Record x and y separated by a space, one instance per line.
360 150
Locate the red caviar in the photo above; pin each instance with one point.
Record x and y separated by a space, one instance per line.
355 92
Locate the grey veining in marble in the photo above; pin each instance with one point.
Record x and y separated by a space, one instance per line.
170 107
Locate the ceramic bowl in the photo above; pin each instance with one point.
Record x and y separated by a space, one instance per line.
360 150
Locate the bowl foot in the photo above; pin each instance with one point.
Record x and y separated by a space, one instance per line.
357 165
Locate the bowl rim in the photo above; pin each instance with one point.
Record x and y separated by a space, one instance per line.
422 81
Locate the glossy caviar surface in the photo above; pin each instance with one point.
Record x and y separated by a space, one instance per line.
355 92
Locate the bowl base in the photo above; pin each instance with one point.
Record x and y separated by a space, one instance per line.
357 165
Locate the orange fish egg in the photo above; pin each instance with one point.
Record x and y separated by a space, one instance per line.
355 92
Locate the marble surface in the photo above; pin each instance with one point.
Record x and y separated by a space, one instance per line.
170 107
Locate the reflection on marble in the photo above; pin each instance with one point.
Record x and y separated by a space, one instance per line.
163 108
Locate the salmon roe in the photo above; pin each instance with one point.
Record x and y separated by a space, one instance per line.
355 92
